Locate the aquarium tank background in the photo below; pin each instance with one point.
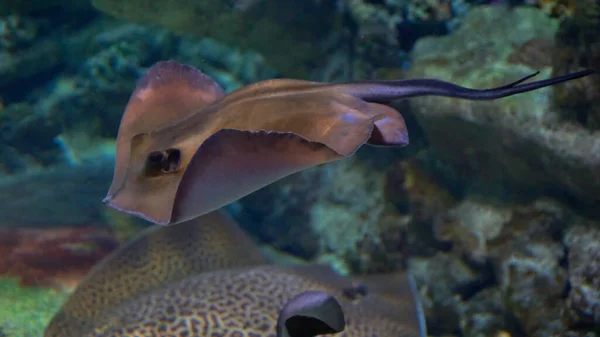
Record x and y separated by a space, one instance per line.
486 224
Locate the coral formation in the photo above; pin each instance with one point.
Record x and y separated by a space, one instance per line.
74 116
515 269
470 225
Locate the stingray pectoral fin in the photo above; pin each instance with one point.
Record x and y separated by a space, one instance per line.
231 164
168 92
390 129
310 313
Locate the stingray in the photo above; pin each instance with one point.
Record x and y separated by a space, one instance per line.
185 148
206 278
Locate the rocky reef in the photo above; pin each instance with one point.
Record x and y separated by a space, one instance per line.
519 146
576 47
248 27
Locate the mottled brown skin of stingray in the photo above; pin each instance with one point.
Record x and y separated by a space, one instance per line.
158 256
185 148
187 280
246 302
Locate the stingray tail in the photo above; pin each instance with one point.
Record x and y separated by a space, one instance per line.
400 287
387 91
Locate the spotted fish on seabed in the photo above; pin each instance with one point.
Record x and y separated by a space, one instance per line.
205 278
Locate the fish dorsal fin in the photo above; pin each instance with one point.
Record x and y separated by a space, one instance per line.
169 91
159 256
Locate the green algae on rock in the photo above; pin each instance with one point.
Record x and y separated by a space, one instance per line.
24 312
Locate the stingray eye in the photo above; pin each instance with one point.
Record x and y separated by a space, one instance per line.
172 160
155 162
160 162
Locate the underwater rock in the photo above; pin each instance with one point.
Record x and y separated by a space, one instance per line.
441 303
518 247
229 66
533 283
16 31
41 57
419 197
292 199
27 131
516 262
583 244
255 27
516 145
529 267
335 211
63 195
578 46
485 315
382 28
470 225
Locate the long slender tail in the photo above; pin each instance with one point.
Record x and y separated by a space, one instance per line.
386 91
